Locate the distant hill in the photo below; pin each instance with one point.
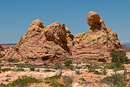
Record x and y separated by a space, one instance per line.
9 44
14 44
126 43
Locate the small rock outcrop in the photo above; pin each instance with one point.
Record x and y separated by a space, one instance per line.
98 42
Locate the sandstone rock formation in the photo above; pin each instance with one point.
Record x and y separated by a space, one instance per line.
41 43
44 42
56 43
69 38
98 42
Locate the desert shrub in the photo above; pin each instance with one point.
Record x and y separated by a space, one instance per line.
56 84
32 68
104 71
53 81
70 67
49 70
82 79
7 79
26 65
67 81
13 60
98 73
68 63
58 66
92 67
119 56
77 72
22 81
115 79
118 66
78 67
53 77
6 69
8 76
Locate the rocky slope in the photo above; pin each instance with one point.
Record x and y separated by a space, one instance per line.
98 42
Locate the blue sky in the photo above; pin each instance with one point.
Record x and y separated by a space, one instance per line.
17 15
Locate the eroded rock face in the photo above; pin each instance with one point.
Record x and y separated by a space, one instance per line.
44 42
98 42
10 52
69 38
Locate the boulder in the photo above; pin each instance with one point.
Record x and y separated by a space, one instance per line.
98 42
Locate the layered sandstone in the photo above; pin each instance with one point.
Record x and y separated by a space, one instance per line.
69 37
98 42
56 43
42 43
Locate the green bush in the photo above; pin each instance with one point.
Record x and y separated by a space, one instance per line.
58 66
104 71
53 81
32 68
56 84
115 79
49 70
82 79
119 56
53 78
78 72
6 69
118 66
98 73
68 63
21 82
92 67
67 80
13 60
26 65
